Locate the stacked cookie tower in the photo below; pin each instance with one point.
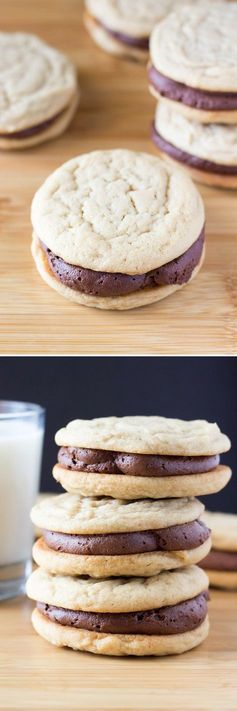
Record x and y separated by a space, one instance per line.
193 74
117 556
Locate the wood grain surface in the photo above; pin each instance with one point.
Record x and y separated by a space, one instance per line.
115 111
35 675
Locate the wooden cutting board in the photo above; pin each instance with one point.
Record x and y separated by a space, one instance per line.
115 111
35 675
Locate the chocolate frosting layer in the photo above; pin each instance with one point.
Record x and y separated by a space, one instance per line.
173 619
189 159
220 560
88 281
172 538
100 461
32 130
196 98
139 42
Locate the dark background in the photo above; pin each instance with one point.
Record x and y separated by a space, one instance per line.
86 387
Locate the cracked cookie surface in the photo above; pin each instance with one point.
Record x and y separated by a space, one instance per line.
198 48
145 435
70 513
117 211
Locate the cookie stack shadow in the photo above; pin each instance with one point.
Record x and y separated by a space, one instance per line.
117 558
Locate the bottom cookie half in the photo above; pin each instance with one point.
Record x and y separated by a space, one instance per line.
99 566
138 298
118 644
134 487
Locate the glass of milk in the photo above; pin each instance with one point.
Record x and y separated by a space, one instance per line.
21 443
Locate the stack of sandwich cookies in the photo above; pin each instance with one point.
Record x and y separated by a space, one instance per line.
104 537
39 91
123 28
221 562
141 457
193 74
117 573
117 229
159 615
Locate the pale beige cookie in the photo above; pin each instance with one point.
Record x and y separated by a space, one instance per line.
199 115
140 487
222 579
101 210
118 645
143 297
224 530
145 435
37 83
212 142
117 594
100 566
198 47
68 513
58 126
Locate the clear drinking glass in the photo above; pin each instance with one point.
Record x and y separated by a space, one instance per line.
21 444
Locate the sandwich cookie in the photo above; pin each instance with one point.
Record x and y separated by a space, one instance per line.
193 62
159 615
208 151
105 537
117 229
221 563
123 28
141 457
38 89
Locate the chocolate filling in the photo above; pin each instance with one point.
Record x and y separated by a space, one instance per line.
172 619
88 281
32 130
189 159
220 560
173 538
100 461
138 42
196 98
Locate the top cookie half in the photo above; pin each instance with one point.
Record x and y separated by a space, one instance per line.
145 435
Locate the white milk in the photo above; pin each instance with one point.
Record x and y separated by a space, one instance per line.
20 462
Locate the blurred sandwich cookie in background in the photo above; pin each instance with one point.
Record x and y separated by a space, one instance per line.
39 91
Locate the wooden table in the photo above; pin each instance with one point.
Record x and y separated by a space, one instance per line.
35 675
115 111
